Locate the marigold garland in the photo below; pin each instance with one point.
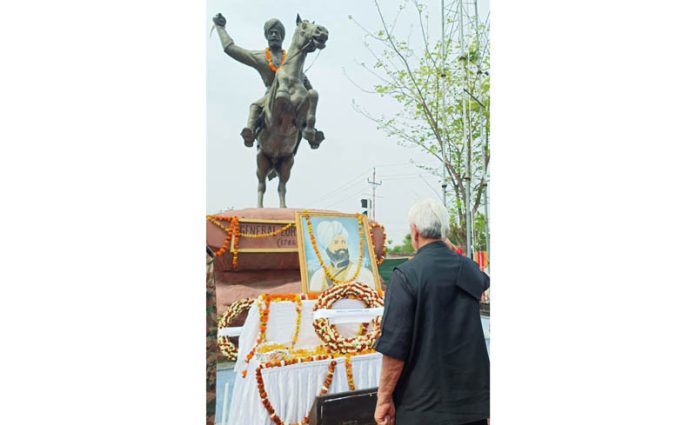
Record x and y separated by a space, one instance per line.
300 353
298 320
264 395
295 298
291 355
232 238
263 323
349 374
328 334
270 347
331 276
229 230
263 303
234 246
234 234
291 297
350 346
213 219
295 360
271 65
363 328
227 347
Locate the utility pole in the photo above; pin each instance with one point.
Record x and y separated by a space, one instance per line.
443 75
374 188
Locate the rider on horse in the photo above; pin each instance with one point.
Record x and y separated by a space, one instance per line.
266 63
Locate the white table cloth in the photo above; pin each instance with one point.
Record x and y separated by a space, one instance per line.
292 389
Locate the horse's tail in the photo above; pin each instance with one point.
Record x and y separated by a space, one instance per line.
274 170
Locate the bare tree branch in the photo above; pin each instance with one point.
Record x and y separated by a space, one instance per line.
367 32
357 85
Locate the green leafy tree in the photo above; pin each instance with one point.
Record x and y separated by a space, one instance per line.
405 247
480 233
445 102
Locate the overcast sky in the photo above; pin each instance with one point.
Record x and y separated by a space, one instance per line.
335 175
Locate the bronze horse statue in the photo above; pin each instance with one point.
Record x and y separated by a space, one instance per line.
287 115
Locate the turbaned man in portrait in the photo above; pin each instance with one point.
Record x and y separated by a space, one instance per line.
332 237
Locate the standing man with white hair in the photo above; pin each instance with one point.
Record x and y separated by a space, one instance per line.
332 237
435 367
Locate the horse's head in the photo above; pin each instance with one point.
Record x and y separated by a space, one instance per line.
311 35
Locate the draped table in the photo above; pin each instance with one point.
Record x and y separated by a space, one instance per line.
292 389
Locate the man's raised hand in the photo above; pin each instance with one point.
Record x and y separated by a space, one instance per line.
219 20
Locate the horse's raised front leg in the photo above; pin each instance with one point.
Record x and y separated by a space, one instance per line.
284 176
311 134
263 166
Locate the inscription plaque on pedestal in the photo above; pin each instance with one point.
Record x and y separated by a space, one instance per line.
285 241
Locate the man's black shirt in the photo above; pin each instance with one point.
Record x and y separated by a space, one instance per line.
432 322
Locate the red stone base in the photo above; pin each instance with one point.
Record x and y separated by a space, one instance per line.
231 286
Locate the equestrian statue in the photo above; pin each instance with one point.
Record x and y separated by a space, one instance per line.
287 112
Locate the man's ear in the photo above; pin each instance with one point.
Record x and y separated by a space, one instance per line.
298 21
414 235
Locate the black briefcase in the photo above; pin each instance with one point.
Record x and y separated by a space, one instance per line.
348 408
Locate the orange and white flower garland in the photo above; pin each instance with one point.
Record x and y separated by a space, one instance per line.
313 239
263 323
264 395
328 334
295 298
214 219
343 347
349 374
225 343
264 305
232 238
298 319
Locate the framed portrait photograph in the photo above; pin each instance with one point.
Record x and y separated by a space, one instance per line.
334 248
